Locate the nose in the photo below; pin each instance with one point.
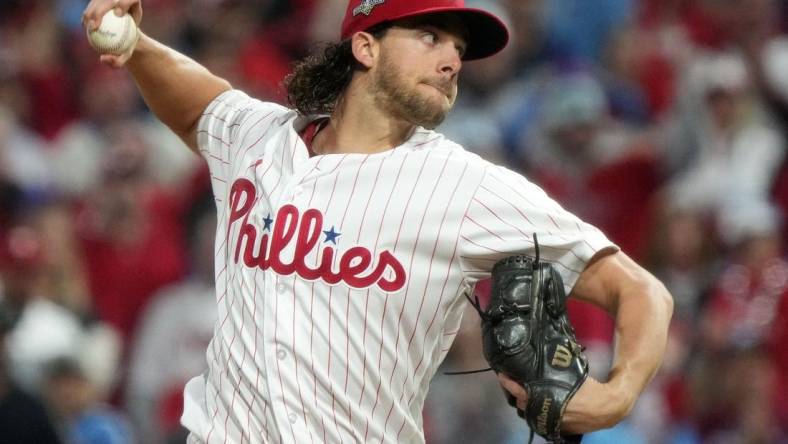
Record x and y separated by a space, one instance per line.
451 63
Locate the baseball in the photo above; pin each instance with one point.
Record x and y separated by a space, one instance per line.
116 35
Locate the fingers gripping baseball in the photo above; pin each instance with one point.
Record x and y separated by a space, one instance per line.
91 17
115 48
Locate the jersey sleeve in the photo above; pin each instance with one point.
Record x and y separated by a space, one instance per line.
224 124
506 211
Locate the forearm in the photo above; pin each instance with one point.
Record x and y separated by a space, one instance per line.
176 88
642 317
642 308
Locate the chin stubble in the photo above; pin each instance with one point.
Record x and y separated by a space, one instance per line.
393 95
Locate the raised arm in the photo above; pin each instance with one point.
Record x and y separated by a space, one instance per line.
176 88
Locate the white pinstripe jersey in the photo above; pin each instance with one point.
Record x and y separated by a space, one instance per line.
340 277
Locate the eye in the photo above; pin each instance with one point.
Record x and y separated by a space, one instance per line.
429 37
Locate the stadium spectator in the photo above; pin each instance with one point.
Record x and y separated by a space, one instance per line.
79 406
130 231
37 290
22 416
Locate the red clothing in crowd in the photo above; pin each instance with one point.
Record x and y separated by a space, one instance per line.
750 310
123 277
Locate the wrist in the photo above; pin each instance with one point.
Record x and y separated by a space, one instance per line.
595 406
142 45
621 399
146 51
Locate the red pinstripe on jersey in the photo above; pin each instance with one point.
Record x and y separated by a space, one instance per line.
366 304
330 315
427 279
410 269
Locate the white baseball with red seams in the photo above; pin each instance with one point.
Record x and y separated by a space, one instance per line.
115 35
340 277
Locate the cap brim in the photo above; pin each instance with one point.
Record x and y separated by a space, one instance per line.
487 35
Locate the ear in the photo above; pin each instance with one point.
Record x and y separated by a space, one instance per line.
365 48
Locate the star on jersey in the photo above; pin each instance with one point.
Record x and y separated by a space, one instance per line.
331 235
366 7
268 222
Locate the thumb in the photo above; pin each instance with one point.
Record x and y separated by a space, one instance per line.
512 386
114 61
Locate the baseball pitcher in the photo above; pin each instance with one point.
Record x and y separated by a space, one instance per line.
350 234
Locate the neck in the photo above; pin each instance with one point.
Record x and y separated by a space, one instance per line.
359 125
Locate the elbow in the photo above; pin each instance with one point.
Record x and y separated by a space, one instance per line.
655 298
663 299
188 134
653 293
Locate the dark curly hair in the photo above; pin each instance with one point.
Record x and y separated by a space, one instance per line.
320 78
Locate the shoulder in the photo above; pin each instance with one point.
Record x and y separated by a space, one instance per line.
235 107
238 99
232 116
436 144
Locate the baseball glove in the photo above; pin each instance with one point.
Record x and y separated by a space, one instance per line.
527 336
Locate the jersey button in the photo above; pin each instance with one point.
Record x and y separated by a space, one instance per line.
298 190
280 288
281 354
292 418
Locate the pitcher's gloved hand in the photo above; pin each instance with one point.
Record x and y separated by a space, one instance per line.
527 337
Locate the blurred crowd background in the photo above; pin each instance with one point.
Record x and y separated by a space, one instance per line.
663 122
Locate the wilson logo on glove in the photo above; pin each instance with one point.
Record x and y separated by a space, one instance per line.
562 357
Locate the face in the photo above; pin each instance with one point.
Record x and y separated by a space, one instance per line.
723 106
415 77
576 138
